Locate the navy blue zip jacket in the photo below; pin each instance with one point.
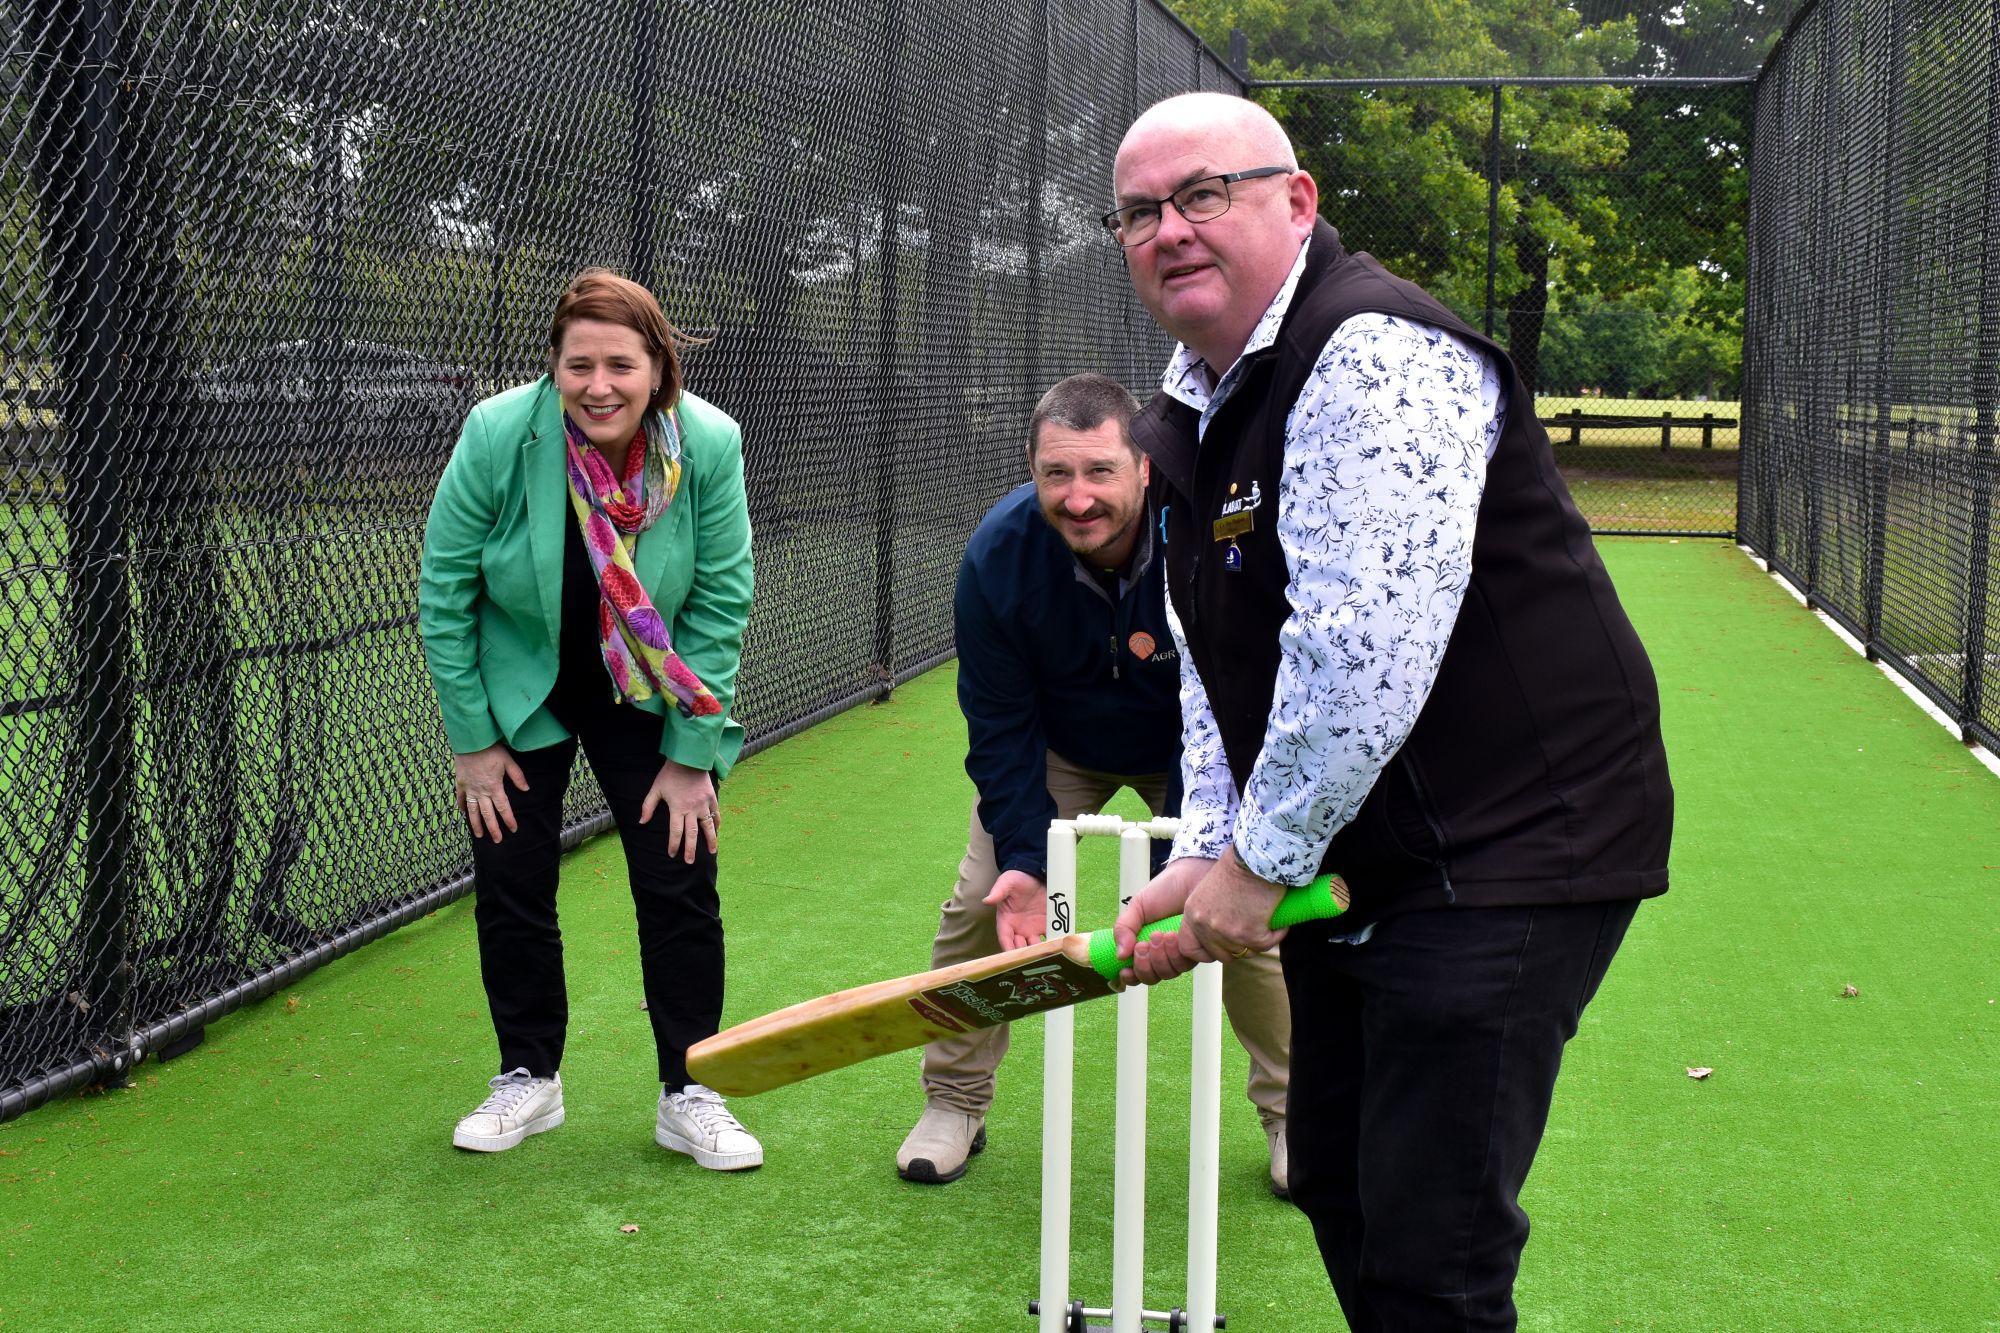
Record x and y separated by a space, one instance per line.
1046 661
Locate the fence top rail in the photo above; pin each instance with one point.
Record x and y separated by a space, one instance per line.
1512 81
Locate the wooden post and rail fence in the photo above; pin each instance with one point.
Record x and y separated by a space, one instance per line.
1578 421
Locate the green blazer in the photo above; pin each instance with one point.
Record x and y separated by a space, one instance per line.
490 595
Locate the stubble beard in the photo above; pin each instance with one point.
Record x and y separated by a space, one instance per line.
1093 553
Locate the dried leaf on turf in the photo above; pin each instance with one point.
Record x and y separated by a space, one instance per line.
1849 992
1699 1071
628 1228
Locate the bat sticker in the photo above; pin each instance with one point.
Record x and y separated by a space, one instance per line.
1046 983
930 1013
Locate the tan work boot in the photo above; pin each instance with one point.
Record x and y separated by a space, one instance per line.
936 1150
1281 1175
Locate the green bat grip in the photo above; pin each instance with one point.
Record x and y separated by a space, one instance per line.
1314 902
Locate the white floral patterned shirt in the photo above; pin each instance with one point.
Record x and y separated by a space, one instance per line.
1385 459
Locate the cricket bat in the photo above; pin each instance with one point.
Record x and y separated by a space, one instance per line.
850 1026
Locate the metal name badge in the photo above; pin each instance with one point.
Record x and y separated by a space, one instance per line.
1232 558
1231 526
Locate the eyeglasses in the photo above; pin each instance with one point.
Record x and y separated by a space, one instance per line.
1203 200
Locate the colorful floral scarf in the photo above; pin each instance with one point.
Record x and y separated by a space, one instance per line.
612 513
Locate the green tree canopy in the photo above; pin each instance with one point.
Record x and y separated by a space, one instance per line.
1616 193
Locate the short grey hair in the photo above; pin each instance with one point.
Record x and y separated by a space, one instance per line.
1084 402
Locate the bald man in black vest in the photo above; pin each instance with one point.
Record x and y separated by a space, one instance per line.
1403 661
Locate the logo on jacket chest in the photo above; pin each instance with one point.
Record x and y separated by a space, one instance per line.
1238 514
1240 504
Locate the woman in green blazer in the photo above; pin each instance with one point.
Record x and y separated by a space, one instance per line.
586 577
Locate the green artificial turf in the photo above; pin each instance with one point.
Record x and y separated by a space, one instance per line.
1836 1171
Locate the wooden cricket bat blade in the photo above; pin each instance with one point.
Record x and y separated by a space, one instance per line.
883 1017
847 1027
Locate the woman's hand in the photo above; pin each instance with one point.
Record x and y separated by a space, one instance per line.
689 795
479 789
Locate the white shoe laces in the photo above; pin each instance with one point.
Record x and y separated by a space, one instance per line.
509 1091
704 1106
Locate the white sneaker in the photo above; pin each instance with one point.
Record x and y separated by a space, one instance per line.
518 1106
694 1121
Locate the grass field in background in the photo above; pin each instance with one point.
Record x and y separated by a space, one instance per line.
1623 480
1835 1172
1665 505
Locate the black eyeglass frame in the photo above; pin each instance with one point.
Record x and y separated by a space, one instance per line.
1110 220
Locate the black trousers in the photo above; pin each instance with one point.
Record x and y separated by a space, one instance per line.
680 914
1423 1062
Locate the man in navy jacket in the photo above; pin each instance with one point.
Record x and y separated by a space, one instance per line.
1069 681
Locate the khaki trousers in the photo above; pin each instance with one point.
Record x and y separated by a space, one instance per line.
958 1071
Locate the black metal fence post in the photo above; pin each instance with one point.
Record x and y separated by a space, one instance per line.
82 258
645 92
888 374
497 366
1818 415
329 259
1756 385
1038 174
1753 492
1132 107
1979 541
1492 207
1889 288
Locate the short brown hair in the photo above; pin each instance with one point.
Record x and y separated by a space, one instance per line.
1084 402
600 294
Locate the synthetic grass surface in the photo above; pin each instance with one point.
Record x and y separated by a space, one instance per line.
1836 1171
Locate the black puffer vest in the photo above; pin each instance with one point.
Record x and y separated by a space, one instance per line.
1535 772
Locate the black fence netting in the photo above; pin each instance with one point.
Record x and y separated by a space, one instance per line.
260 258
1597 232
1874 336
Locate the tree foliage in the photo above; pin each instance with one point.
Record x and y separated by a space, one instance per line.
1611 198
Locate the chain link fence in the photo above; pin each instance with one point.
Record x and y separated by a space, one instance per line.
1595 229
262 255
1874 336
260 258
